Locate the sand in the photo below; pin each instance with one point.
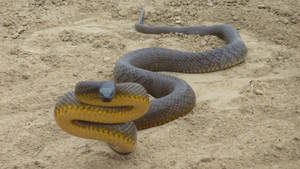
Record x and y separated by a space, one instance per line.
245 117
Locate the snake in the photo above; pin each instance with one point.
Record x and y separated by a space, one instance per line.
140 96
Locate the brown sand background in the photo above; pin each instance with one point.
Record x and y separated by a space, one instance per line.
246 117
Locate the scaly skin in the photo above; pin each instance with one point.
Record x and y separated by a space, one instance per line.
130 108
107 121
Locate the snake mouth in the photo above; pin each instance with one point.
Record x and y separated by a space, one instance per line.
105 99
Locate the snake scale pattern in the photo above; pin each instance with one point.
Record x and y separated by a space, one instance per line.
82 113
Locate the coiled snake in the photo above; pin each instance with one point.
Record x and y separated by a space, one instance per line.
114 111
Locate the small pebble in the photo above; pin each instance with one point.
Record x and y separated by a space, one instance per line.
261 6
235 18
258 92
178 22
15 36
25 77
207 159
186 2
6 23
106 59
279 58
285 21
210 4
122 13
20 31
294 21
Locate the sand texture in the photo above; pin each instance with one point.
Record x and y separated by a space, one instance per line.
245 117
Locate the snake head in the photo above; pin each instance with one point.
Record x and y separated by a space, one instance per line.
107 91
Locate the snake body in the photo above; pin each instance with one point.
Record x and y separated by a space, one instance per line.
82 113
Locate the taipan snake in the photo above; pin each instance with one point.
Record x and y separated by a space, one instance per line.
114 111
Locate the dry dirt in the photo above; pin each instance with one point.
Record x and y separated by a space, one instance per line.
246 117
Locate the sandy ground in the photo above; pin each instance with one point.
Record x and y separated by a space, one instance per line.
246 117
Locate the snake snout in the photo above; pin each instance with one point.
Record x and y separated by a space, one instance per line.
107 92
